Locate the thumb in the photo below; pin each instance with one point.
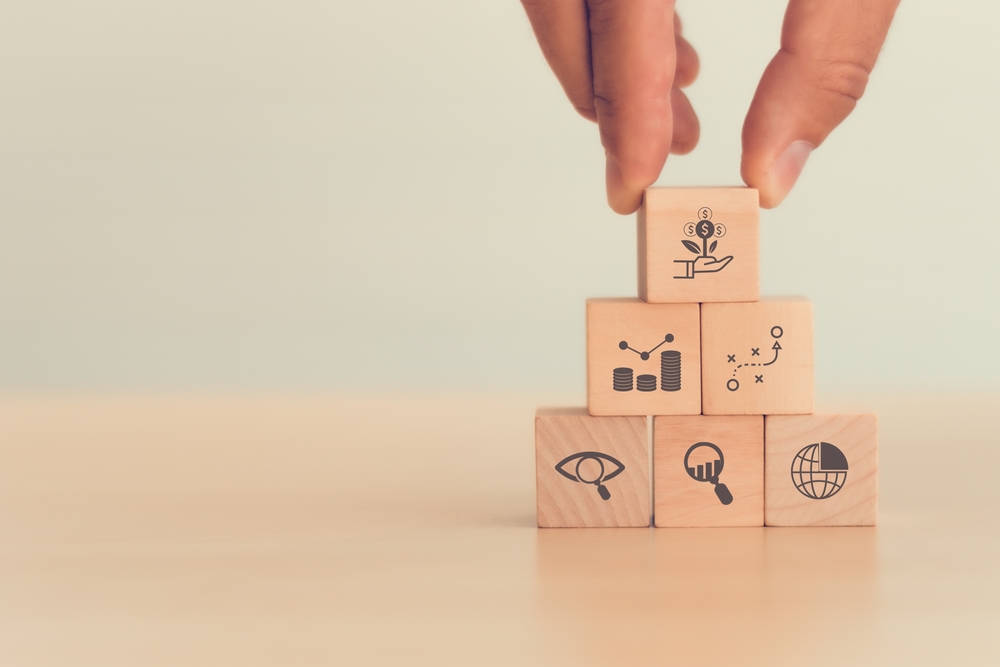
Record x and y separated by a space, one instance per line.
828 49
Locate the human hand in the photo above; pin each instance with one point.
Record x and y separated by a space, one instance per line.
702 264
623 63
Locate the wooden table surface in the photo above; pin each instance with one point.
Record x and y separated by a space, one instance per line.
399 530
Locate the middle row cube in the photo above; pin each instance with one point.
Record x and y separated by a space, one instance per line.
687 359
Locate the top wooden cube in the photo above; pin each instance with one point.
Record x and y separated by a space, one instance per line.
699 245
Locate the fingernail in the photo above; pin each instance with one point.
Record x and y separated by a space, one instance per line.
785 170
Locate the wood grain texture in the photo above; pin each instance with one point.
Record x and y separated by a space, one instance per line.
856 501
637 387
743 373
670 269
565 503
679 500
390 528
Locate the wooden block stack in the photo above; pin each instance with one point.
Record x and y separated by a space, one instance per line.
724 376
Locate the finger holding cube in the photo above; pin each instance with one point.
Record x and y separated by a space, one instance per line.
698 245
726 376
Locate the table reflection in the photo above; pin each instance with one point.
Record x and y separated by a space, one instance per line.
707 595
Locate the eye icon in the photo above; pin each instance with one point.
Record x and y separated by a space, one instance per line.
591 468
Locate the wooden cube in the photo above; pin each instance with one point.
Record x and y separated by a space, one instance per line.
699 245
758 357
708 471
590 472
820 470
643 358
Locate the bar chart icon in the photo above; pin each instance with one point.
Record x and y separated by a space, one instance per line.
709 470
703 472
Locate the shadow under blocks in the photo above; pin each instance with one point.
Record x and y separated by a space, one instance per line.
726 378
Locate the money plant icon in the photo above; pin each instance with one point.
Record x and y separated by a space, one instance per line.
705 261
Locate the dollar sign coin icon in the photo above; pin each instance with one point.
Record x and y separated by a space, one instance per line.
705 229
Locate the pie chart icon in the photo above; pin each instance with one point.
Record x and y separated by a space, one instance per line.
819 470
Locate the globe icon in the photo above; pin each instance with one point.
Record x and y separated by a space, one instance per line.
819 470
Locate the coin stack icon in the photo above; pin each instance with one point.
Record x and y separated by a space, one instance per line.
670 370
645 382
623 379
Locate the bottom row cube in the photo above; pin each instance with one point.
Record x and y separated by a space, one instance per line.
590 471
787 470
708 471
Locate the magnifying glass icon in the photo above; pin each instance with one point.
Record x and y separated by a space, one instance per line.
709 470
585 475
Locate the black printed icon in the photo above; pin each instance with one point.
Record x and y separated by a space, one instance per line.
709 470
590 468
670 370
669 338
819 470
705 261
645 382
733 383
623 379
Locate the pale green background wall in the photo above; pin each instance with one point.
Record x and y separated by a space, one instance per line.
387 194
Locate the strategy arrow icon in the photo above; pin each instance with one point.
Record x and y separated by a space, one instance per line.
775 347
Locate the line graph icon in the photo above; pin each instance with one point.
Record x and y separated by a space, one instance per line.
669 338
670 370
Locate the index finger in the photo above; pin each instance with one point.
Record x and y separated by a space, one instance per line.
561 29
634 60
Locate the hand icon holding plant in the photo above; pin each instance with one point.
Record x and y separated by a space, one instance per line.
705 262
